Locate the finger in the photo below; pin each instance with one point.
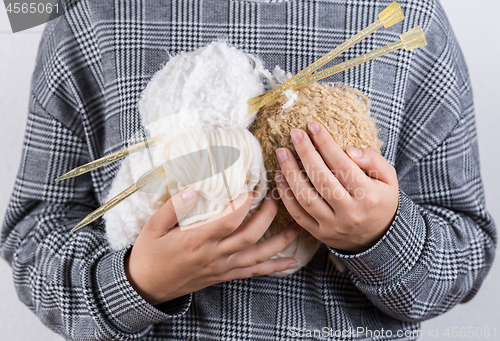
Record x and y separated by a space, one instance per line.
268 267
374 164
348 173
229 220
327 184
304 193
298 213
261 252
172 211
251 232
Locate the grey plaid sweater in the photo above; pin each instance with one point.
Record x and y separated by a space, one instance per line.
91 67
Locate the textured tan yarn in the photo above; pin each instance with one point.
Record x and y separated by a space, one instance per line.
345 113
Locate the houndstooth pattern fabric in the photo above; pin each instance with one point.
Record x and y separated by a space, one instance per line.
93 64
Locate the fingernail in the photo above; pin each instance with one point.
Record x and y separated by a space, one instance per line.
298 229
188 194
355 152
292 265
273 195
296 135
313 128
278 177
281 154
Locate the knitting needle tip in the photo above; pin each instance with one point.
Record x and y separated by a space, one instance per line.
87 220
63 177
143 181
112 157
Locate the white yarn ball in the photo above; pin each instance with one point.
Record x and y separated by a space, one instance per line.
215 82
125 221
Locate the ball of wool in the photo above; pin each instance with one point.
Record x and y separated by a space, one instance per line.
195 169
344 112
214 82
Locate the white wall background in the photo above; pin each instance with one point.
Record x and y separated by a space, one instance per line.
475 25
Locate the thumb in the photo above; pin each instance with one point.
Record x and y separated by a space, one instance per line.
172 211
375 165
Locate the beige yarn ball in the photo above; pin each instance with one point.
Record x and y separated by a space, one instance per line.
342 110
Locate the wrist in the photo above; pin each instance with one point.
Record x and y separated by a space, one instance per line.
135 281
109 289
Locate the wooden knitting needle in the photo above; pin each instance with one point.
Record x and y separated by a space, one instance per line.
412 39
388 17
143 181
213 160
112 157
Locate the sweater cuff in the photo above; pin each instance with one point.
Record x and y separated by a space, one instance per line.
396 253
122 305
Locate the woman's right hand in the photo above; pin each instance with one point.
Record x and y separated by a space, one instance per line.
166 263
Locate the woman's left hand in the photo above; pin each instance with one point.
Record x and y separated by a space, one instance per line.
344 208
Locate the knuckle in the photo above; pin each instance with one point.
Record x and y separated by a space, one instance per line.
286 236
168 208
228 225
231 262
373 163
371 201
343 166
324 179
297 216
219 266
321 141
337 232
302 150
307 203
259 259
255 273
355 219
195 245
377 160
286 240
247 240
207 264
293 176
342 235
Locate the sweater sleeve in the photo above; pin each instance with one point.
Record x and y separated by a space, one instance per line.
442 241
73 281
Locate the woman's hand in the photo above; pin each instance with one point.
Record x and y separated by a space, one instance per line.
167 263
343 207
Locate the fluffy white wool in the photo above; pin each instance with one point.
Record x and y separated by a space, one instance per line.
214 81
